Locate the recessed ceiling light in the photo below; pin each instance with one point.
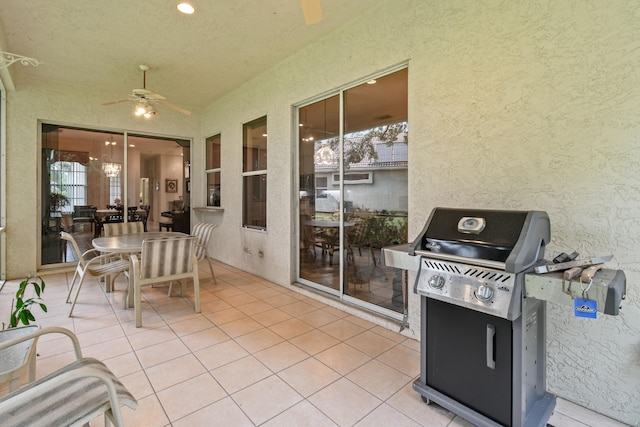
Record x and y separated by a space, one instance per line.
186 8
372 82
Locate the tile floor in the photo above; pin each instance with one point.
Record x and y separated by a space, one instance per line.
258 355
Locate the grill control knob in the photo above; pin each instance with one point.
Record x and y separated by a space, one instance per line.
484 293
436 281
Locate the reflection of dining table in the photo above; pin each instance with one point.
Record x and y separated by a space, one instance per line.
328 237
127 244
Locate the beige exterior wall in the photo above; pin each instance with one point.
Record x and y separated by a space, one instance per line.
512 105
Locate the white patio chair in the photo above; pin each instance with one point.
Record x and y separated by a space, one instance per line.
203 232
164 260
73 395
96 267
15 360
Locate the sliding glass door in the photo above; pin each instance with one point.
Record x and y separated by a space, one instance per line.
353 152
91 177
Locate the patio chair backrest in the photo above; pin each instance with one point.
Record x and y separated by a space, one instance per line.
69 238
203 232
119 228
167 257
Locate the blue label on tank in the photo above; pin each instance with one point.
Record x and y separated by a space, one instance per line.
585 308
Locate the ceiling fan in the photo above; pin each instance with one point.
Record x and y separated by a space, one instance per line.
145 100
312 10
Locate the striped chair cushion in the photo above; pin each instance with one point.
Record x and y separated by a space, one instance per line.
166 256
203 232
51 402
119 228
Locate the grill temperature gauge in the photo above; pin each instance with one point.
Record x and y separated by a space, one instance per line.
436 281
484 293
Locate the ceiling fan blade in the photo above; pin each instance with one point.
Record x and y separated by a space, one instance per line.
312 10
174 107
146 93
116 102
155 96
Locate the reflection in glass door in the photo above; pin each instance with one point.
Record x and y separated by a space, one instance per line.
354 192
319 202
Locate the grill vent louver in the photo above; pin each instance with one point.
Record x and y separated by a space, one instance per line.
476 273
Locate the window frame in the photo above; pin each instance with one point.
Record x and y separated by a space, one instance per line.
253 171
210 197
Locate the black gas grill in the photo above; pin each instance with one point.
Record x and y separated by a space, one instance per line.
483 350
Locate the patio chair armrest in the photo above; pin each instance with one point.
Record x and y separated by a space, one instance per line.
104 258
43 331
89 252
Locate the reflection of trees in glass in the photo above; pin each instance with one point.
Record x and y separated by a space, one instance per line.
361 146
383 228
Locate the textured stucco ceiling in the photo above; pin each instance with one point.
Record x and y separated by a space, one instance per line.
194 59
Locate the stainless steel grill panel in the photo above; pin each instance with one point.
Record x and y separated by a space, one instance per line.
459 284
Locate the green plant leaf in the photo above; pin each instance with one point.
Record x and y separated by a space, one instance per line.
43 307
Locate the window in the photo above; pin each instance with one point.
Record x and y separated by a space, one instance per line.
212 169
70 180
254 174
115 188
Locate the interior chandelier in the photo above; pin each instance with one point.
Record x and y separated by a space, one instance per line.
145 109
111 169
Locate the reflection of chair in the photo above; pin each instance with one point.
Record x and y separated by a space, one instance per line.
358 237
119 228
330 239
164 260
96 267
203 232
14 360
73 395
310 238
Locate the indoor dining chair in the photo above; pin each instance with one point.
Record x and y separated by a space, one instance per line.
97 267
203 232
164 259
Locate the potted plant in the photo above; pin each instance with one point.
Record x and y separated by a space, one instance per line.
21 312
57 201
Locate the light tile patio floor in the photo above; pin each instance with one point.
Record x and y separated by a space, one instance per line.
259 354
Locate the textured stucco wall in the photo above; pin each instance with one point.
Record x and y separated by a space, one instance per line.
513 105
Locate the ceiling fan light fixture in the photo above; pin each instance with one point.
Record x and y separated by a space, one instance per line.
186 8
140 109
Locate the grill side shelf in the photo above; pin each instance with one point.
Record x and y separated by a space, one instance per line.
608 289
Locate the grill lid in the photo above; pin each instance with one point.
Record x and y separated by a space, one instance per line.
516 238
